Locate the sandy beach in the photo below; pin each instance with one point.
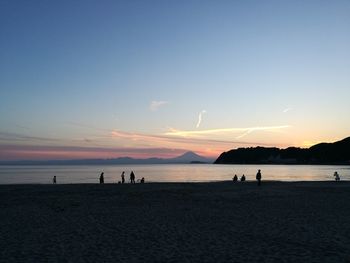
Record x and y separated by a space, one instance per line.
176 222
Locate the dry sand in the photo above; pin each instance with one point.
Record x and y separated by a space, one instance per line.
190 222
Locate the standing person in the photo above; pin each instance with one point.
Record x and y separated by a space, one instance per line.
123 177
258 177
54 180
102 179
243 178
132 177
336 176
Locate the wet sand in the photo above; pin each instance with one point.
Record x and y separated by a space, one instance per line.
174 222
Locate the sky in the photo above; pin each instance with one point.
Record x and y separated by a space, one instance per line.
104 79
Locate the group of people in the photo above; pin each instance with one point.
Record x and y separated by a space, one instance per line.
102 178
235 178
258 178
336 176
132 178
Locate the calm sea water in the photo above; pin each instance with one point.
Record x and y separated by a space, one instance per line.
67 174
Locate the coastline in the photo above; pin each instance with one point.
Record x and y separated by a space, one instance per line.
168 173
176 222
158 185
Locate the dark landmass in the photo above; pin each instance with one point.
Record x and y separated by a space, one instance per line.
186 158
323 153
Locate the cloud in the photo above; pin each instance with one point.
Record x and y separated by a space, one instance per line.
170 137
210 144
87 126
48 152
287 109
244 131
8 136
121 143
244 134
200 118
155 105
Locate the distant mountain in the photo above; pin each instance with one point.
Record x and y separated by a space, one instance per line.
323 153
188 157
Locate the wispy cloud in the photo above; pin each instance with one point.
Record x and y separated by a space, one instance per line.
155 105
23 139
47 152
87 126
287 109
186 139
8 136
209 142
200 118
244 131
121 143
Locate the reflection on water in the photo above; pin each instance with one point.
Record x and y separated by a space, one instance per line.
167 173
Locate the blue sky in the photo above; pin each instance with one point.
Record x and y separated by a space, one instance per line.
85 74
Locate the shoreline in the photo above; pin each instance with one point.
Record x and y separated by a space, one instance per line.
344 181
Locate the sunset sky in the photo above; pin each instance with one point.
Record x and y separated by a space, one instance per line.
104 79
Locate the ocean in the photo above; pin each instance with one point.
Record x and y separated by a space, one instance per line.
71 174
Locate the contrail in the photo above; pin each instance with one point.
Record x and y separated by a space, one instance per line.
200 118
155 105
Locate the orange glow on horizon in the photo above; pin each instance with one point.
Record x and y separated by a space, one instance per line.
142 145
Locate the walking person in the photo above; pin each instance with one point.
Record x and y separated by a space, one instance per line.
54 180
102 179
132 177
123 177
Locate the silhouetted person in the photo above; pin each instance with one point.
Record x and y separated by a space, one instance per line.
142 180
132 177
54 180
258 177
123 177
336 176
102 179
235 178
243 178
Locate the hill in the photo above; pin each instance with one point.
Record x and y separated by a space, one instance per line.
323 153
